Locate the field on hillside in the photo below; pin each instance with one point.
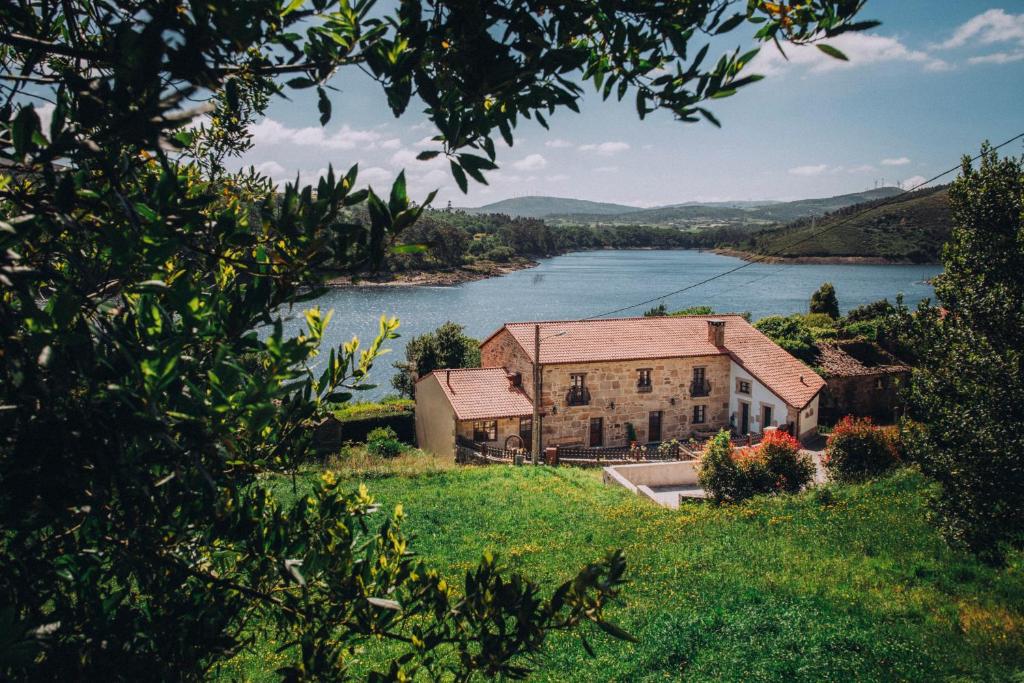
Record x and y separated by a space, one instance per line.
912 228
838 584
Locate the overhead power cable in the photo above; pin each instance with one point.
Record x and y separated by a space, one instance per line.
764 257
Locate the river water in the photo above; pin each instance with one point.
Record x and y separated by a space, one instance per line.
583 284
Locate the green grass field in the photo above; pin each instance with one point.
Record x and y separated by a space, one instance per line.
850 584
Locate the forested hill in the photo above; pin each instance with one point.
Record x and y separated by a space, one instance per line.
734 213
910 228
539 207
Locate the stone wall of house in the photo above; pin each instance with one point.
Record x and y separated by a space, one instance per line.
874 395
503 351
614 397
507 426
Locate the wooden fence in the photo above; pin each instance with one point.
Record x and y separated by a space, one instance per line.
470 452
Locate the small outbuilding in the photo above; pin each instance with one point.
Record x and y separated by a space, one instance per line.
484 405
861 379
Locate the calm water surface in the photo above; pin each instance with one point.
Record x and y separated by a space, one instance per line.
588 283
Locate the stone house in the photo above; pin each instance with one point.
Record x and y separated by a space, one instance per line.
605 382
861 379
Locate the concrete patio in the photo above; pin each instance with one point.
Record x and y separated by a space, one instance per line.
670 483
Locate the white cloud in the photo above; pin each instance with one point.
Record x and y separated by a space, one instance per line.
606 169
556 178
863 168
531 162
272 169
375 174
913 181
809 170
426 142
272 132
988 28
45 114
861 49
558 143
407 158
606 148
391 143
896 161
997 58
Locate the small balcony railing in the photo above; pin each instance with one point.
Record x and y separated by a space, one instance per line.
700 388
644 388
577 396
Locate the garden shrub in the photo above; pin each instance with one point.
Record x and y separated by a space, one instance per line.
719 474
790 469
775 465
384 443
858 450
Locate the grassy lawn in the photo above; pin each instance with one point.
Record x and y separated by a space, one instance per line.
846 584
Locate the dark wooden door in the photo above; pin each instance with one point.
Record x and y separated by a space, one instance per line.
596 432
766 417
654 426
744 417
526 432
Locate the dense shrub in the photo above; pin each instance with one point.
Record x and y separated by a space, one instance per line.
858 450
790 470
791 333
384 443
501 254
825 301
733 475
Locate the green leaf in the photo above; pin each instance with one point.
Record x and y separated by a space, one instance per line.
292 6
730 23
399 199
409 248
832 52
324 105
460 177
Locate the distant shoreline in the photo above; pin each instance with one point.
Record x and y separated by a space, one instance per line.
481 270
821 260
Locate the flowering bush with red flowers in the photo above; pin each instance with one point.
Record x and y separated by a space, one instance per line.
858 450
733 475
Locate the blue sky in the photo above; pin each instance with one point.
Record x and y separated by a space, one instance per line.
928 85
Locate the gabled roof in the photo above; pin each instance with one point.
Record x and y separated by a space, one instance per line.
591 341
482 393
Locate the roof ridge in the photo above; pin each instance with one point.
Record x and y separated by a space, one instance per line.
635 317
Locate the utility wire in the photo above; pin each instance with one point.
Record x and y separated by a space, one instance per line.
778 252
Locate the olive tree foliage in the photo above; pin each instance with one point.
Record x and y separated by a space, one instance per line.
968 379
148 391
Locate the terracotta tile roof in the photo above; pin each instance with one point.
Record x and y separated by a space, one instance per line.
589 341
853 359
482 393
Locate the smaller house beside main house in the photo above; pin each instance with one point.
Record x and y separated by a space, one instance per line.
607 382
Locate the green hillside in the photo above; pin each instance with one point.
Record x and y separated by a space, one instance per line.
723 214
913 228
851 583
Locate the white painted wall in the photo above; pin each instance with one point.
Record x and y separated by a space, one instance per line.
759 394
809 418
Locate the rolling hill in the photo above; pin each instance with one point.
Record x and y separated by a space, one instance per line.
692 215
911 228
534 206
